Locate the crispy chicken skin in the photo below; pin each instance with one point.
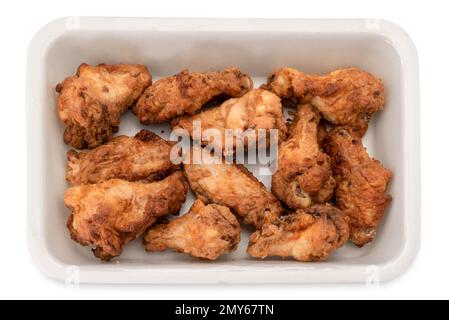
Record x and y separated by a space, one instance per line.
343 97
187 92
144 156
233 186
304 175
361 184
91 102
206 231
110 214
322 132
310 234
257 109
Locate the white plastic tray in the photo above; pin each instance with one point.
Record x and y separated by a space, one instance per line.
257 47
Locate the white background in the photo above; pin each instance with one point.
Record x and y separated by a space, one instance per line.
425 21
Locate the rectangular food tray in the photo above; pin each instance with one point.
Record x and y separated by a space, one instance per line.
257 47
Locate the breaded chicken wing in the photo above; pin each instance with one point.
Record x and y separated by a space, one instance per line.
303 176
309 234
187 92
361 184
343 97
257 109
110 214
206 231
145 156
91 102
233 186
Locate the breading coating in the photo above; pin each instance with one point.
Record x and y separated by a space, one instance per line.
206 231
233 186
91 102
322 132
145 156
343 97
303 176
187 92
110 214
257 109
310 234
361 184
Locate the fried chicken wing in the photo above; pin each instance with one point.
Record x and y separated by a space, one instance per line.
91 102
206 231
361 184
309 234
343 97
145 156
233 186
303 176
187 92
110 214
257 109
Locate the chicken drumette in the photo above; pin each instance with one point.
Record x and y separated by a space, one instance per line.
206 231
110 214
343 97
91 102
309 234
361 184
303 176
145 156
187 92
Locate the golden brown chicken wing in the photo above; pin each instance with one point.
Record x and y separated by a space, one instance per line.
343 97
110 214
206 231
91 102
187 92
145 156
257 109
361 184
310 234
235 187
303 176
